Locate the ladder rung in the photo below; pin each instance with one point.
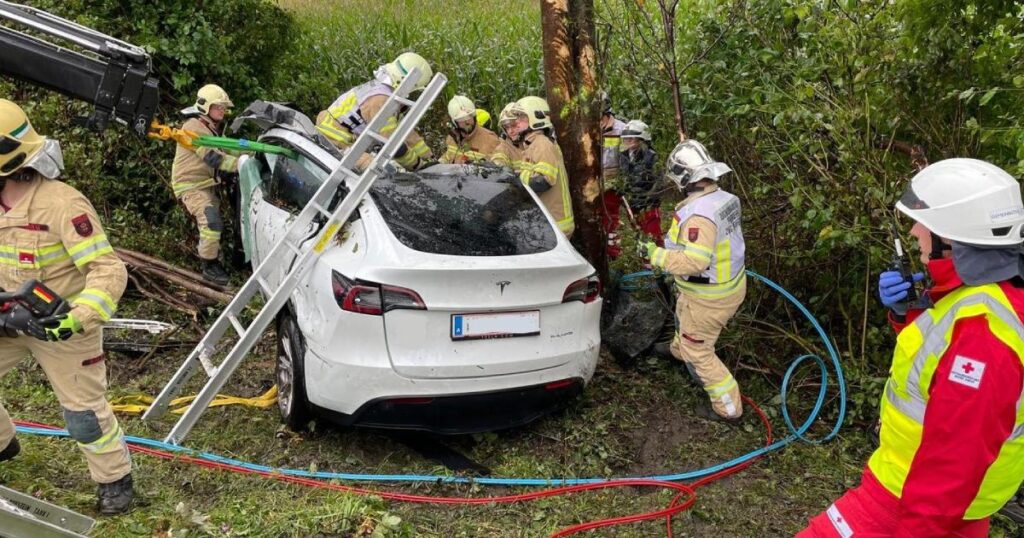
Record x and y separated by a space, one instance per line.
377 136
320 209
239 328
264 285
295 250
404 101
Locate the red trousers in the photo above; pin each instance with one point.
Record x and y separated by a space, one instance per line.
870 511
649 221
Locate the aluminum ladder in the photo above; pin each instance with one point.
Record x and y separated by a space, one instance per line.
24 516
292 244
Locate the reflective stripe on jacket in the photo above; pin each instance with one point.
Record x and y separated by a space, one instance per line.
542 156
920 347
610 150
725 257
54 235
196 167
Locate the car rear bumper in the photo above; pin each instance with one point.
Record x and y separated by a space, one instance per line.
368 395
463 413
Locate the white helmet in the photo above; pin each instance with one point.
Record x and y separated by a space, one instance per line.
636 129
690 162
460 108
535 109
210 95
968 201
406 61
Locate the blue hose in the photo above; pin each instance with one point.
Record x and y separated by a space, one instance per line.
795 433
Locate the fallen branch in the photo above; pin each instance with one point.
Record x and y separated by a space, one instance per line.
157 262
181 277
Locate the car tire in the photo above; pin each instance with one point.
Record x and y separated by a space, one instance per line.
290 373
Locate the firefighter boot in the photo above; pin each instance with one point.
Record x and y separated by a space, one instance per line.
115 498
12 449
214 272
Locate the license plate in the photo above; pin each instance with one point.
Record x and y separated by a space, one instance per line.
498 325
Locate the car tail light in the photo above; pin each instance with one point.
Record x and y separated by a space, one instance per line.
371 298
555 385
586 290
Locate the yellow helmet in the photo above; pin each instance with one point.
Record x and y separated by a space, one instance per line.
460 108
405 62
536 110
19 141
210 95
482 117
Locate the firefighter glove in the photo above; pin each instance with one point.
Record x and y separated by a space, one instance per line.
647 248
892 289
59 327
16 320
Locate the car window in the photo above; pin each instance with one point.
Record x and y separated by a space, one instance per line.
463 211
293 183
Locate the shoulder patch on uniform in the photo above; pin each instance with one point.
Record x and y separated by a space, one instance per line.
692 234
82 225
967 371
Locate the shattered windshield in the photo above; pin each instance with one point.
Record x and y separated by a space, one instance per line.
463 210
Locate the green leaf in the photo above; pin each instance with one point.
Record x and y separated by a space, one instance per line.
987 97
967 94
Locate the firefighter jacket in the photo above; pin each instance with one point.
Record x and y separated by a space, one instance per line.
541 156
952 411
506 154
53 235
476 146
610 151
197 167
704 247
346 118
636 168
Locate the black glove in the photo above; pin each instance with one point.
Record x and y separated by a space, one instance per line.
17 320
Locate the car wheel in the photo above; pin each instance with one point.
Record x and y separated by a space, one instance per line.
290 373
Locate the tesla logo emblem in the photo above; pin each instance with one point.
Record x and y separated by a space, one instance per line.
502 285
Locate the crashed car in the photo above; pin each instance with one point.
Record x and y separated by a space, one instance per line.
448 303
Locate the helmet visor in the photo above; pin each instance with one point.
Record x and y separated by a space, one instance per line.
911 200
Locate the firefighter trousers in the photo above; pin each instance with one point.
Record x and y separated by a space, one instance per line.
78 374
700 320
203 205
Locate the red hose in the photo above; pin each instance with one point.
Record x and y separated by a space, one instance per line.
684 499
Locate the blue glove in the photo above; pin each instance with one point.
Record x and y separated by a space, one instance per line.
892 289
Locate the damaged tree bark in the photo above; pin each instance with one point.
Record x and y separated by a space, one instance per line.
570 81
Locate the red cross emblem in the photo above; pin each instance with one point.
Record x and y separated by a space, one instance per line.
968 367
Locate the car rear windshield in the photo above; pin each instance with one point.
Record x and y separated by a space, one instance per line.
463 210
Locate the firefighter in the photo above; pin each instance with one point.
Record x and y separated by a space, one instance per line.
704 251
468 140
541 167
195 176
50 232
611 141
636 170
344 120
951 449
506 154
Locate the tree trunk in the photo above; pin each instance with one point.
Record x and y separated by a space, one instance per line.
570 80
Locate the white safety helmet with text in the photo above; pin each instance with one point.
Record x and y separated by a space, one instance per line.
460 108
966 200
689 162
406 62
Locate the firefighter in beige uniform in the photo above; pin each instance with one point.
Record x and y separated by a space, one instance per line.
346 118
540 165
468 141
50 232
704 250
505 154
194 177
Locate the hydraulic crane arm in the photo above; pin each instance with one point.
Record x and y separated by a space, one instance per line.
114 77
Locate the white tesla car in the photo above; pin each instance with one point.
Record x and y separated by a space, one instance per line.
450 303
